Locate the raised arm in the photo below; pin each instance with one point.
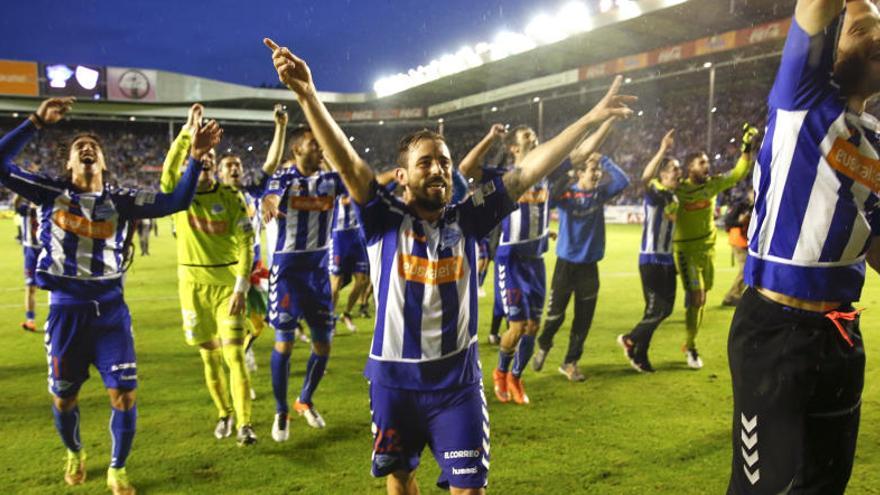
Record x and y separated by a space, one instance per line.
276 149
547 156
746 159
153 205
666 144
471 165
36 188
619 181
295 74
592 142
813 16
179 147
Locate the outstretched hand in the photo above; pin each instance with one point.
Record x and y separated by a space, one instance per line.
750 132
613 104
52 110
293 71
194 116
205 138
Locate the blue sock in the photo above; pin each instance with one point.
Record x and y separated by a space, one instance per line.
29 315
314 372
67 424
524 352
504 360
122 428
280 365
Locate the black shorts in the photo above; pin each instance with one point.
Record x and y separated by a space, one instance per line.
797 386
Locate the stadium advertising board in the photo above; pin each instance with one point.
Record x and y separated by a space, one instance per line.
127 84
18 78
711 44
381 114
85 81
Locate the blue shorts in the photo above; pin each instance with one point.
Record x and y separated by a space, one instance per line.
453 423
348 253
523 284
30 265
300 292
81 334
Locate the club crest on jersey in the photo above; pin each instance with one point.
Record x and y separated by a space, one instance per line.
449 237
217 208
326 187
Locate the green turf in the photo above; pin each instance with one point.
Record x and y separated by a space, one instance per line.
619 432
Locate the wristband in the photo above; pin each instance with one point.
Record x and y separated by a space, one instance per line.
40 122
241 285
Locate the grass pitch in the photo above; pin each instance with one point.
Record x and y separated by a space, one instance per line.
617 433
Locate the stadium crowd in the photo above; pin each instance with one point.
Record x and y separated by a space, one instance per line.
139 147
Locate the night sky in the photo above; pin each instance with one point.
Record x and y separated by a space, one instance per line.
348 43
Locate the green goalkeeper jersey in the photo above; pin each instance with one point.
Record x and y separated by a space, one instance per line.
215 235
695 222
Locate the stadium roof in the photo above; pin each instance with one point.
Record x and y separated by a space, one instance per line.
684 22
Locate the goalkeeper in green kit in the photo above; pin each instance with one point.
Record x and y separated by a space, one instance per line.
694 238
214 254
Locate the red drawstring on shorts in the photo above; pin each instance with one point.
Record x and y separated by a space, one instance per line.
836 316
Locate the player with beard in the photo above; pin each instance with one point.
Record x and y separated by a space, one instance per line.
231 174
214 255
796 355
423 368
300 199
85 238
694 235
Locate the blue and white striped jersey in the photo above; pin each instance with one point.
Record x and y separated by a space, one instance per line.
811 222
524 232
425 276
30 223
82 234
659 225
307 204
345 216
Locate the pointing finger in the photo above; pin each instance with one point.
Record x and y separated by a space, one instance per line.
270 44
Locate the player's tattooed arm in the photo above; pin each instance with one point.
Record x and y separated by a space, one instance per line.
549 155
276 149
813 16
471 164
295 74
514 183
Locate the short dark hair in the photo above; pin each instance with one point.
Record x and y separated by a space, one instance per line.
412 138
510 138
666 163
82 135
227 155
296 136
693 156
